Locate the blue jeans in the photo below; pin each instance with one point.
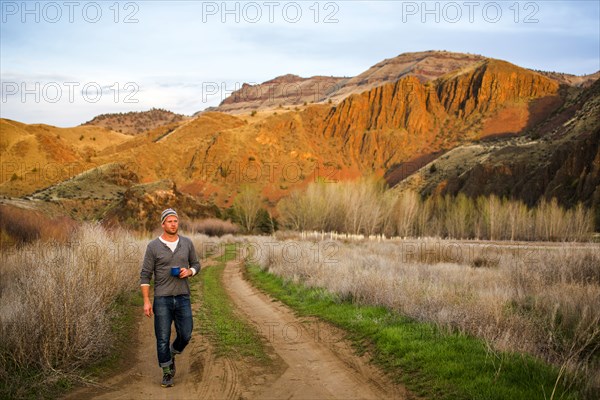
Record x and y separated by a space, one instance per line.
169 309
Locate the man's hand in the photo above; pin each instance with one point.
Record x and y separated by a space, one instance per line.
185 273
147 302
148 309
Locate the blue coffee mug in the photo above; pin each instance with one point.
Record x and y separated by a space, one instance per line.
175 271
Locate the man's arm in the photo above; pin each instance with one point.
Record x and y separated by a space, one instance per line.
145 277
193 260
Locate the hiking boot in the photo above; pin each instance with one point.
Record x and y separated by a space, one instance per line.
167 380
173 366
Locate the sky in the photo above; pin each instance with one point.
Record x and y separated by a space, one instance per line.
64 62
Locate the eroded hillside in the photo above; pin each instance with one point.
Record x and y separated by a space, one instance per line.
488 126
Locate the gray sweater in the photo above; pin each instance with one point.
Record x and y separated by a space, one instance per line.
158 261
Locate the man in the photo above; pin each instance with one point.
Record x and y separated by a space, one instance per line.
171 292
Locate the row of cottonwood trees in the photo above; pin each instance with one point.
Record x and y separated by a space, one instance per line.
367 207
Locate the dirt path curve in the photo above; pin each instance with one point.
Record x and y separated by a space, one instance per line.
142 377
319 364
310 361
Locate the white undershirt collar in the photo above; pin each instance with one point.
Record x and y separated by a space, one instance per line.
170 245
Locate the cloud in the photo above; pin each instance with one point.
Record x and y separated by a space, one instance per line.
173 51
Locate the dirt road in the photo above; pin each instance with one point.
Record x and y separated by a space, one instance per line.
310 360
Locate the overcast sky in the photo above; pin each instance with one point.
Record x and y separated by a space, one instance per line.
64 62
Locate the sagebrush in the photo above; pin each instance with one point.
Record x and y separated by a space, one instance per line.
536 298
57 302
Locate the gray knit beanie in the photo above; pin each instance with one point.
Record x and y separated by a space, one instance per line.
166 213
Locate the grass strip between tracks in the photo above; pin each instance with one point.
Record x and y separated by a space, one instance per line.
428 361
230 334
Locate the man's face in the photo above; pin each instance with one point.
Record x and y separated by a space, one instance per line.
170 225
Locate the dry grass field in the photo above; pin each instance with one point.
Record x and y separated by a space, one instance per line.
538 298
58 303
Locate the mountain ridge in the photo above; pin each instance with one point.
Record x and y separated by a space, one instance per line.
426 66
378 131
136 122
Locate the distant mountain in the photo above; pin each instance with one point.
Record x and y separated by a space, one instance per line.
136 122
374 131
425 66
283 91
559 157
294 91
583 81
408 118
435 122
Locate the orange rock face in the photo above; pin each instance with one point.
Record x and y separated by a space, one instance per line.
395 122
417 107
490 86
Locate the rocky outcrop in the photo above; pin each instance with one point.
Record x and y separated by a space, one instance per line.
490 85
388 123
141 205
563 161
425 66
396 122
292 90
283 91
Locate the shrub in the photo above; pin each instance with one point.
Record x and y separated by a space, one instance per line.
246 207
210 227
365 207
25 226
57 302
541 300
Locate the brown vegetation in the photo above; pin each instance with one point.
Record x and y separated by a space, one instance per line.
21 226
57 303
534 298
365 207
209 227
246 206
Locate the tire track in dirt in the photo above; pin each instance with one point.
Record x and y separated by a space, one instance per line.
220 378
309 360
318 362
142 379
200 374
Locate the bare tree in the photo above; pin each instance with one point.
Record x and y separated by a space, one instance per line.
246 206
289 209
407 209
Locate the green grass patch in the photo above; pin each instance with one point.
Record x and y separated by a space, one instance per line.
229 254
428 361
228 332
126 310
